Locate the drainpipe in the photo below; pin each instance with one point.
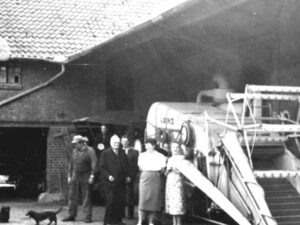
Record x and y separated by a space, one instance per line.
36 88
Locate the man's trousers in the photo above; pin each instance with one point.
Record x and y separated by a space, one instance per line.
80 185
130 199
114 207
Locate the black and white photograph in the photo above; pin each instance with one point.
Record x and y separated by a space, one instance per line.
150 112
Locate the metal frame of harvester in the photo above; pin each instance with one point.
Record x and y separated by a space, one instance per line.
234 138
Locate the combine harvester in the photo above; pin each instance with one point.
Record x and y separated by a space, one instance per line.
249 172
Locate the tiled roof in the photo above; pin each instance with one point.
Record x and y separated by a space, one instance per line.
56 30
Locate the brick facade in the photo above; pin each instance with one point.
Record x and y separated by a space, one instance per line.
58 150
78 93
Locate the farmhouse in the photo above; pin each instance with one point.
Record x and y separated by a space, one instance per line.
65 60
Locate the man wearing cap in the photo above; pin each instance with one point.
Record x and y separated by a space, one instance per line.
82 167
114 169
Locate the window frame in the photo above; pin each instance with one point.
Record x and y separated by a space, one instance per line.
11 69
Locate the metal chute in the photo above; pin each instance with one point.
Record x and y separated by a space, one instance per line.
199 180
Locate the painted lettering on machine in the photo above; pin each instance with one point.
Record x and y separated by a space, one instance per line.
167 120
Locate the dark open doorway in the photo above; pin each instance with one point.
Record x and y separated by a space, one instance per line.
23 157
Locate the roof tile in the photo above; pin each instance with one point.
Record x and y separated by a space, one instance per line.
49 29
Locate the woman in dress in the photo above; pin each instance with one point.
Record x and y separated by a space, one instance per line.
152 164
175 201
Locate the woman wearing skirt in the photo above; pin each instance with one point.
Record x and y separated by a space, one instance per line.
152 164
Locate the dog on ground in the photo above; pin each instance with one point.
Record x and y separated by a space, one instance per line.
4 214
40 216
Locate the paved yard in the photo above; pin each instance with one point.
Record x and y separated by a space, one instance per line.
19 209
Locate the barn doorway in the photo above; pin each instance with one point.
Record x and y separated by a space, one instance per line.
23 157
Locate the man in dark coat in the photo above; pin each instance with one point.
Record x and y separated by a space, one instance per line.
101 142
133 170
114 170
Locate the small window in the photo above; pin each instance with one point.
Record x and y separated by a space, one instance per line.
3 74
10 75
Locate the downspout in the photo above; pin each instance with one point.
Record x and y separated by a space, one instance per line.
36 88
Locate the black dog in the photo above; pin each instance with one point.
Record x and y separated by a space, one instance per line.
4 214
40 216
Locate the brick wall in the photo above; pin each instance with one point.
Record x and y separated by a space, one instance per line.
58 150
79 92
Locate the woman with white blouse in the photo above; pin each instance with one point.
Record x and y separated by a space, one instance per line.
152 164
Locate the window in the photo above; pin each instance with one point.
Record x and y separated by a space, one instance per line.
10 75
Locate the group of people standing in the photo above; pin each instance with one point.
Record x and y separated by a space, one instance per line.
120 166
